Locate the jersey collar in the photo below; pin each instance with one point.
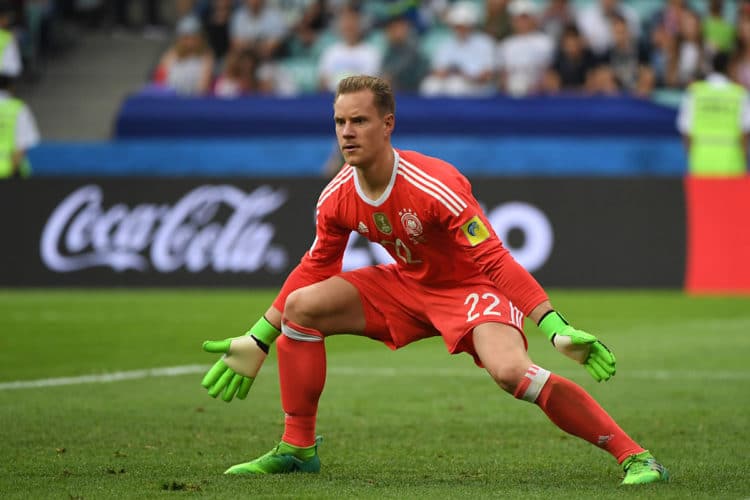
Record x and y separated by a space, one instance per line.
717 78
381 199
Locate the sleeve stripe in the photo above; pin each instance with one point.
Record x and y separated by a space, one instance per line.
455 211
434 183
336 183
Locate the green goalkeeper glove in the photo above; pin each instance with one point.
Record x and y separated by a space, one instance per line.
235 372
579 346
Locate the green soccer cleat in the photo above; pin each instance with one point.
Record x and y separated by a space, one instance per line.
643 468
282 459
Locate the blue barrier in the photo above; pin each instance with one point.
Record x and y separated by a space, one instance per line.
149 117
273 136
279 156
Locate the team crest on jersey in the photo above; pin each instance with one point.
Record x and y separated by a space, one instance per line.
382 223
475 231
412 224
362 228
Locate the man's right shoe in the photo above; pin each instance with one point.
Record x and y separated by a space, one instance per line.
282 459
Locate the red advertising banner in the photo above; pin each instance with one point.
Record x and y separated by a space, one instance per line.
718 235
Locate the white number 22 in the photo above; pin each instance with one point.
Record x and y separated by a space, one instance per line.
474 299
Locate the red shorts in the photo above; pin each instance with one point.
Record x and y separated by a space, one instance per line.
399 311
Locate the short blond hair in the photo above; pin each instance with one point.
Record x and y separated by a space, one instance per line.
381 91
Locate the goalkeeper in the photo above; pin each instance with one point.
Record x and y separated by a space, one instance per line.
452 278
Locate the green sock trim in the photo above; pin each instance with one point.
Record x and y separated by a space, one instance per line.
264 331
552 323
301 453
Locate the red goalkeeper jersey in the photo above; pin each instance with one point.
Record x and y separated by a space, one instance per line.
429 222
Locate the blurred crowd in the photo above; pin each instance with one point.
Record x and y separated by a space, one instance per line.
431 47
229 48
39 30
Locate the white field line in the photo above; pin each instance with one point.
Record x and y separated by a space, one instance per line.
354 371
104 378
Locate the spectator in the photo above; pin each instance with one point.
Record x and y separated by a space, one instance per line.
258 26
497 19
594 23
523 57
664 57
692 63
678 60
430 12
601 81
150 9
404 65
303 40
718 33
628 60
556 16
375 10
10 57
669 17
18 132
38 20
186 8
216 19
314 16
17 9
240 76
743 9
349 56
187 66
714 120
572 64
740 69
463 64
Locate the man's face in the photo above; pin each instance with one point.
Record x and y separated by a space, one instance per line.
397 30
361 132
349 27
571 44
620 32
462 31
522 24
609 5
254 6
190 41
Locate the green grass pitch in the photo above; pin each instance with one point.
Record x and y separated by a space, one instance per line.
416 423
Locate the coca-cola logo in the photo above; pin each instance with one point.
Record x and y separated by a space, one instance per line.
218 228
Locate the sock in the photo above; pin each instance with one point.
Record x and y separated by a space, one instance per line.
301 453
573 410
302 374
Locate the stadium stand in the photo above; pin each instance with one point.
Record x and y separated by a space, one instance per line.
108 79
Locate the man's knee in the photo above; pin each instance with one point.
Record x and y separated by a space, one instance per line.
331 306
508 374
302 307
503 354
